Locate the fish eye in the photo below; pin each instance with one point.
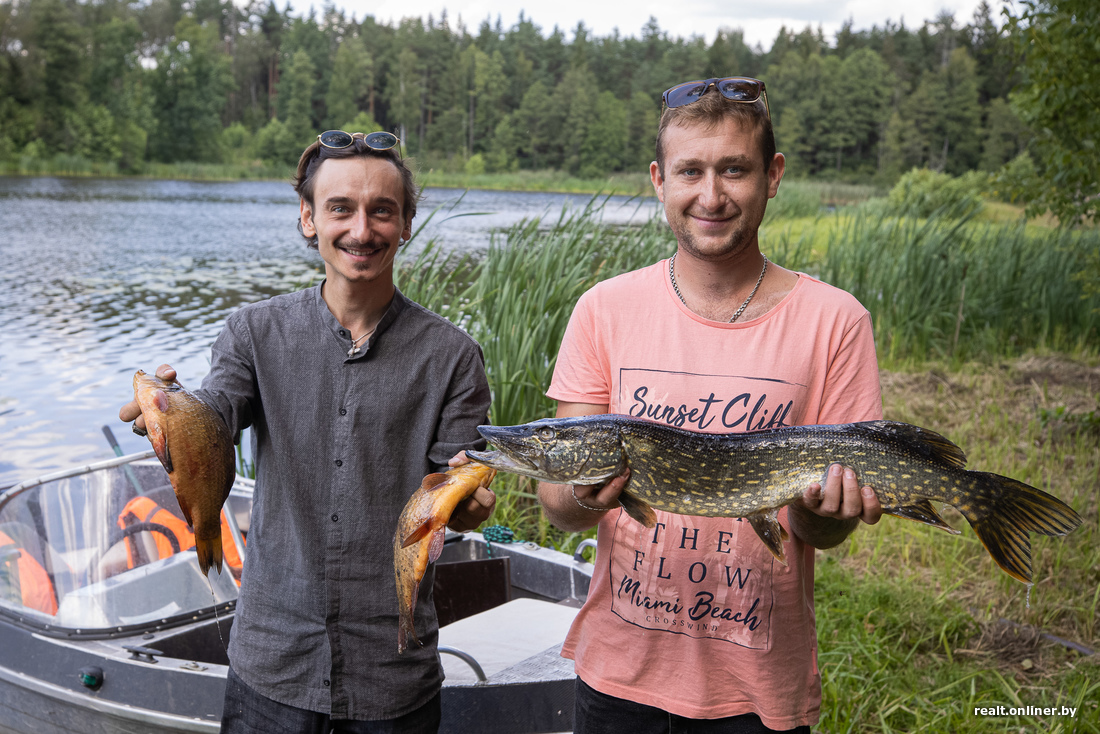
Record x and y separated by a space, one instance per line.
546 433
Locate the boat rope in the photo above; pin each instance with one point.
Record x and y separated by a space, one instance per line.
498 534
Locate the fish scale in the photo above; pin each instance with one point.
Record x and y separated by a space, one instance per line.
753 475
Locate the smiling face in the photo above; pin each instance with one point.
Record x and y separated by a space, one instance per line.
357 218
715 187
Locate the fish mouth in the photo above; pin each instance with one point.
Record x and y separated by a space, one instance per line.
515 453
502 461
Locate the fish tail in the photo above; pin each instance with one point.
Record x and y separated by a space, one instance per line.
406 628
209 551
1014 510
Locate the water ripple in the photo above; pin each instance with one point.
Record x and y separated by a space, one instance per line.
101 277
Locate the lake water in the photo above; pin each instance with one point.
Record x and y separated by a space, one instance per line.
99 278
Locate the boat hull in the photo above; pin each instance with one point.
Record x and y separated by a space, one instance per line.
181 686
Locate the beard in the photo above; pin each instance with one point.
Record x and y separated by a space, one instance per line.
738 241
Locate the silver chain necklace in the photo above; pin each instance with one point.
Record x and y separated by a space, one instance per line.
675 287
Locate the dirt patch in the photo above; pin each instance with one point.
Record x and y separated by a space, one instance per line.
1052 370
1062 393
1021 649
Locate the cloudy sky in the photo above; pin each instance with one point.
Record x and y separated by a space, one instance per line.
759 19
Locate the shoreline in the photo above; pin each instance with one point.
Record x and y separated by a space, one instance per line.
547 181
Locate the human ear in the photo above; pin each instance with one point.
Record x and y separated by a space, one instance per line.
307 219
775 174
658 181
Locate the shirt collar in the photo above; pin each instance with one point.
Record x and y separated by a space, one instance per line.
343 337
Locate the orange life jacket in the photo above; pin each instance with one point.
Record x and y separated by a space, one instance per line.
35 588
144 509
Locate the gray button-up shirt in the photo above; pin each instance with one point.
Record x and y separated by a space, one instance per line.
340 443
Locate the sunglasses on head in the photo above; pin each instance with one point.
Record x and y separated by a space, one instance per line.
736 88
338 139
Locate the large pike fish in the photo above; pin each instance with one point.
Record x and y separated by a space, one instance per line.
753 475
196 449
420 532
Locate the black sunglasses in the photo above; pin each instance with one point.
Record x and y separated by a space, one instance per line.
737 88
338 139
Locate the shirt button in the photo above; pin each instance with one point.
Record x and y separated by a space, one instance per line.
343 411
335 518
342 333
326 683
339 462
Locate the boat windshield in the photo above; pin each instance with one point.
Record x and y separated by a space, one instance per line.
108 552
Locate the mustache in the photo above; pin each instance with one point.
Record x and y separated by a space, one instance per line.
353 243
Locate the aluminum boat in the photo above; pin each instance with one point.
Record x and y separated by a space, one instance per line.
108 626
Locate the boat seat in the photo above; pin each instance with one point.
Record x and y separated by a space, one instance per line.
504 636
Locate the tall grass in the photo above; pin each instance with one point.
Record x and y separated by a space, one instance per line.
946 288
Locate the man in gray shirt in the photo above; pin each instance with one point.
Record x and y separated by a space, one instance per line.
354 394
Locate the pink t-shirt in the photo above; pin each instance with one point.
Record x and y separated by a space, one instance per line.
695 616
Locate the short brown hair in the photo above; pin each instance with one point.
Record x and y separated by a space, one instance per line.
311 160
711 109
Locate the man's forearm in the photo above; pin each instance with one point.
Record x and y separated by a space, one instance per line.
817 531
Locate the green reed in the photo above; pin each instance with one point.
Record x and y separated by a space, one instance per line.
942 287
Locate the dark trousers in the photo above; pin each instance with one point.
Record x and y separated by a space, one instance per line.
249 712
598 713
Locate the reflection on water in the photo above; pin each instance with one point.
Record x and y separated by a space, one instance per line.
101 277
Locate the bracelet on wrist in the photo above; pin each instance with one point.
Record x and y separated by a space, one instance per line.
573 489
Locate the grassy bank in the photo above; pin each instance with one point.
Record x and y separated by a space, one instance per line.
77 166
917 627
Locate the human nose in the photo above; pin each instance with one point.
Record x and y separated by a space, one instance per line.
361 227
711 194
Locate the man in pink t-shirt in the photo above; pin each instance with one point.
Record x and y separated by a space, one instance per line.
692 625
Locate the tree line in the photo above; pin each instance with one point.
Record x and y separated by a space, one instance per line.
130 81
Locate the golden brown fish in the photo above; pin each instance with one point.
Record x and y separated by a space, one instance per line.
196 449
420 530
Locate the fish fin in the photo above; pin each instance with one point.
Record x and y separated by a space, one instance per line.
638 509
433 480
771 532
158 438
929 444
1014 510
436 548
417 534
186 510
209 551
921 511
